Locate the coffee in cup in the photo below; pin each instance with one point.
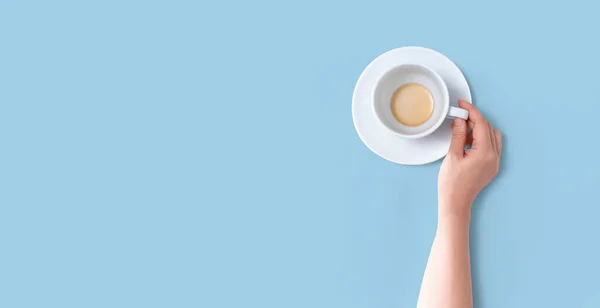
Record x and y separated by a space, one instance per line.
412 104
412 101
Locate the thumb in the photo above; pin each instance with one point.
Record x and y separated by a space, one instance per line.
459 137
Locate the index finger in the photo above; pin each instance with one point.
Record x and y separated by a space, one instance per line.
480 125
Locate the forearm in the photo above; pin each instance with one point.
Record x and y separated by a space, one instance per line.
447 278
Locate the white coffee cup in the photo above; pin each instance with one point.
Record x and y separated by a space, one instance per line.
397 76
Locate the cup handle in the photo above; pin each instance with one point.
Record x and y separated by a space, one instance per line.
455 112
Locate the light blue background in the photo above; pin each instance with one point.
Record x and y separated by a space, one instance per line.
202 154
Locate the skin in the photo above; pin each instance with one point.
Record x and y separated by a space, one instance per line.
463 174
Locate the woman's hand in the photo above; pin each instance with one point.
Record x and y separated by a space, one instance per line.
464 173
447 278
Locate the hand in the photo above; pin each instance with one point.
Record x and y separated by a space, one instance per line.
464 173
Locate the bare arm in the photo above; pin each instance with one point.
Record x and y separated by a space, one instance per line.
447 278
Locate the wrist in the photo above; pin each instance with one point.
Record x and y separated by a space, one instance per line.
453 221
455 210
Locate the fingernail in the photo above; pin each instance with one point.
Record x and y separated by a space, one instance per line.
458 122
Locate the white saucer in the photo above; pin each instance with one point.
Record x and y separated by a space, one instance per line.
384 142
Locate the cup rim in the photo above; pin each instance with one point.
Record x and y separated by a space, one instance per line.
445 93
